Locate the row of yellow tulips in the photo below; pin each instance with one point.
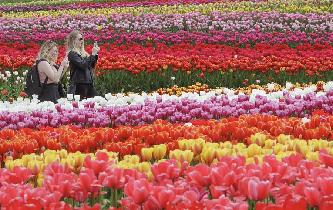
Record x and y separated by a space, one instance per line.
244 6
40 2
190 150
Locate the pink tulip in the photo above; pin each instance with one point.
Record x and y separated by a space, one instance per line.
199 175
166 170
257 189
97 165
326 158
63 183
222 175
163 196
325 184
18 175
137 190
113 178
88 182
55 168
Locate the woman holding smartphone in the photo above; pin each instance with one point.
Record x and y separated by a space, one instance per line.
81 66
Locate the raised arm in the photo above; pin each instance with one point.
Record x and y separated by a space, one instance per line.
46 68
93 60
78 61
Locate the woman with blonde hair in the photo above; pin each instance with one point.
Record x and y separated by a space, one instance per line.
49 72
81 66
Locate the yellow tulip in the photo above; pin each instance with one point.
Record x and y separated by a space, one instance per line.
212 145
36 166
18 162
150 176
9 164
50 158
314 156
253 150
303 149
223 152
258 138
159 151
134 159
269 144
239 146
241 152
126 165
185 144
208 154
113 155
63 153
249 160
197 146
70 162
226 144
330 151
143 167
291 145
26 159
279 148
282 138
79 158
40 180
188 156
174 154
147 154
267 151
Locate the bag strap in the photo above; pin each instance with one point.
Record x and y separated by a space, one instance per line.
37 62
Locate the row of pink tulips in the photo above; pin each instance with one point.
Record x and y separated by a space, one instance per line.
213 37
293 183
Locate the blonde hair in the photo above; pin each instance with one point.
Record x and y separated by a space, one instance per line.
70 44
44 52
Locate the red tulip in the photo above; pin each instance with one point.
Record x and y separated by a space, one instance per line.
326 203
295 202
269 206
86 207
312 196
59 205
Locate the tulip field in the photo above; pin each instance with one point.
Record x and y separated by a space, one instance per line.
203 105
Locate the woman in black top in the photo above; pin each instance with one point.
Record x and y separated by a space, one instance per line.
81 66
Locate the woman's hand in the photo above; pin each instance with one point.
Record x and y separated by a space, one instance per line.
95 49
65 63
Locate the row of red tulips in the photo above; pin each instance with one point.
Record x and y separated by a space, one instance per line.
130 140
206 57
292 184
